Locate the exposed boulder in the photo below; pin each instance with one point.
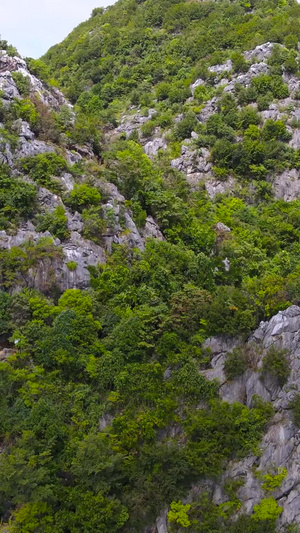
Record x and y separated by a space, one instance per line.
151 230
50 97
22 128
152 148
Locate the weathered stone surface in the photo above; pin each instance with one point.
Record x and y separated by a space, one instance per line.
151 148
8 64
22 128
261 52
214 187
31 148
219 69
280 446
151 230
287 185
130 123
195 164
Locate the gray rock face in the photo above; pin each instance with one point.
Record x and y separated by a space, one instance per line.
151 148
56 271
280 446
195 164
261 52
32 148
22 128
151 230
130 123
8 64
287 185
219 69
214 187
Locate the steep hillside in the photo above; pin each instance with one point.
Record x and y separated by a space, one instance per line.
149 274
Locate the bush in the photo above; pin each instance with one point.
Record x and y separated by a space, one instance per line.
43 167
72 265
239 63
267 510
295 406
55 222
235 364
82 197
275 363
17 198
94 224
22 83
185 127
275 131
247 117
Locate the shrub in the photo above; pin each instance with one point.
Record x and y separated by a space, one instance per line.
185 127
94 224
72 265
82 197
239 63
17 198
272 482
202 93
267 509
263 101
25 110
43 167
22 82
275 363
248 116
148 128
275 131
295 406
55 222
179 514
235 364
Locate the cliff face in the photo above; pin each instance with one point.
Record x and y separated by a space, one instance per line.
74 248
145 233
280 445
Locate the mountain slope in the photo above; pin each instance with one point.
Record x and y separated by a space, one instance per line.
145 234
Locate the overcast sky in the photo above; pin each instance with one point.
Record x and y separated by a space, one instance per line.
32 26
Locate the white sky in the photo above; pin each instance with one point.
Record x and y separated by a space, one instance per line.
32 26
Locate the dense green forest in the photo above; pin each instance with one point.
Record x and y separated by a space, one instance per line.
106 418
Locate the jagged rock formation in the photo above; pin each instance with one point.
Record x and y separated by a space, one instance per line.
196 163
280 446
76 249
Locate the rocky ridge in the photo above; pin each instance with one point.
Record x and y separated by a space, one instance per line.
196 162
76 249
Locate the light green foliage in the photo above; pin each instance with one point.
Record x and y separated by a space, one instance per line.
72 265
267 509
43 168
55 222
22 83
82 197
179 514
25 110
272 482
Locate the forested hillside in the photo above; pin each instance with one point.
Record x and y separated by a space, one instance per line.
150 273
